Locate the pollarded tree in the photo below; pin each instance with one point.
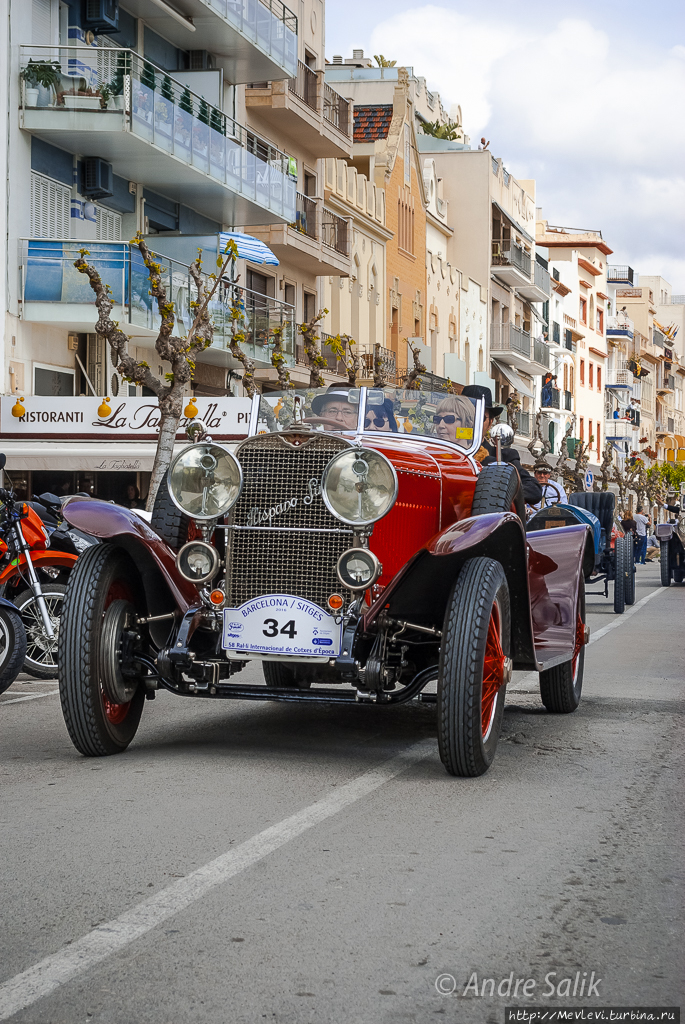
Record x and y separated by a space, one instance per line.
179 352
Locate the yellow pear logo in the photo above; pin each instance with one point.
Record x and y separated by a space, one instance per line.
190 410
104 409
18 409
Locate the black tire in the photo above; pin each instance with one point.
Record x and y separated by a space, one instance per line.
41 652
12 646
630 569
167 520
96 726
665 563
496 489
477 619
285 677
561 686
620 576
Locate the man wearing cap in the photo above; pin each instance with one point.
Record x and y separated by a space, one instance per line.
334 408
552 491
487 454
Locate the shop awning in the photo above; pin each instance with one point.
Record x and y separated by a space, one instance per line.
512 376
122 457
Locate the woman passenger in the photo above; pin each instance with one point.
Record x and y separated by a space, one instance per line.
451 414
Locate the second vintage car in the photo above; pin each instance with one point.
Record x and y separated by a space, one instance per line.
354 545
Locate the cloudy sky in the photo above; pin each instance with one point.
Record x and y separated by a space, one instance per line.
587 98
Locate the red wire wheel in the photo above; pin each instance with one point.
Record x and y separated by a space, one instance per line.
475 665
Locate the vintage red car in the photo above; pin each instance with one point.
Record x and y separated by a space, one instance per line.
354 545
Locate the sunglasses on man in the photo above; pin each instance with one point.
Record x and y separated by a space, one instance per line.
378 420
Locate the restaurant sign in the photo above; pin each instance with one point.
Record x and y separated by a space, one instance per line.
91 419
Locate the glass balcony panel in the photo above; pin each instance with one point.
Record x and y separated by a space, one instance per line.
142 109
217 154
164 123
200 145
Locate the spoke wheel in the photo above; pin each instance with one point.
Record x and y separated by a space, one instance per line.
474 668
561 686
664 563
12 646
41 651
101 707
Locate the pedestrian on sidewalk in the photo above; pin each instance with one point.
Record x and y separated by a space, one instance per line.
628 525
653 549
642 522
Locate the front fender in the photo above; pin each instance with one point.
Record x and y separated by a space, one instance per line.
63 559
155 561
4 603
420 591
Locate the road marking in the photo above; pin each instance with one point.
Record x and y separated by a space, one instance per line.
38 981
30 696
533 677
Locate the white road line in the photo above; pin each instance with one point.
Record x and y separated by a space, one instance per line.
38 981
30 696
533 677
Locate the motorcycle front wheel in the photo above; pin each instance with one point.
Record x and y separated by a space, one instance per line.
41 652
12 646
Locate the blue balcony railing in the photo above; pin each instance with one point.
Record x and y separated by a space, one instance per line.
103 90
267 23
49 277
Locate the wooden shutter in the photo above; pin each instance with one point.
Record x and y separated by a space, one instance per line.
50 207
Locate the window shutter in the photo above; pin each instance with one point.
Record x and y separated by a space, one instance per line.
50 207
41 11
107 225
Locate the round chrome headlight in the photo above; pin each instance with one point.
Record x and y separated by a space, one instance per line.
205 481
359 486
197 561
358 569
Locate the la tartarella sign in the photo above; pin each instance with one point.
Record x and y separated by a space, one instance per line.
128 419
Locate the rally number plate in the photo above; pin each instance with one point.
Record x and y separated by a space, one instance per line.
281 624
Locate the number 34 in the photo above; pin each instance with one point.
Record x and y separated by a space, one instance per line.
273 630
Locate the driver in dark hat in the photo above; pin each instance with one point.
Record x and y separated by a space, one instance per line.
532 492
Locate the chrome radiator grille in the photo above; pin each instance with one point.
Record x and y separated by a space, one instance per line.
272 560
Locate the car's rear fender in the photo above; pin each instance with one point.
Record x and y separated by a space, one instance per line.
420 591
155 562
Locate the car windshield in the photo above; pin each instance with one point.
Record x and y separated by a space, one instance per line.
329 409
428 413
432 414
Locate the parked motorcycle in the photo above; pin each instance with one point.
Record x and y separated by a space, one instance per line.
12 633
33 575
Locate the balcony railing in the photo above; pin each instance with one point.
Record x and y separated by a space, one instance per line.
617 325
619 377
541 353
523 423
106 89
334 232
335 109
507 337
509 254
304 84
550 398
305 216
268 23
386 359
569 321
568 401
541 278
620 275
49 277
618 428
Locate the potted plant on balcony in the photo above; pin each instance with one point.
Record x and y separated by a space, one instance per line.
39 76
116 86
80 96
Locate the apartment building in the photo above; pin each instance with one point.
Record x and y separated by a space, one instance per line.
670 321
142 117
577 259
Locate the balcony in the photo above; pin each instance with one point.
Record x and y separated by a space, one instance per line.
550 398
307 108
510 263
620 275
510 343
316 241
620 378
541 354
620 327
537 289
54 292
619 430
113 104
255 40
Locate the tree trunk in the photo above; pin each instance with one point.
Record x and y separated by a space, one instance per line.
170 414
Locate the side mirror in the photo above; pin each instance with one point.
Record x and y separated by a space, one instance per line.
3 460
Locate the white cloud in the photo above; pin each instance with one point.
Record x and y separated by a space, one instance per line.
593 117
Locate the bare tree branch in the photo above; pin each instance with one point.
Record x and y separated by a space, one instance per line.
312 349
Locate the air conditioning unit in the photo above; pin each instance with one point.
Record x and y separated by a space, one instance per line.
201 60
103 14
97 179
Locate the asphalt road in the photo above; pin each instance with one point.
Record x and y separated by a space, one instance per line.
266 862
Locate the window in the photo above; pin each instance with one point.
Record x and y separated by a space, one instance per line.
582 429
599 378
405 221
50 207
591 375
589 432
54 382
599 440
565 377
582 372
107 225
289 294
309 306
583 310
600 321
571 376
